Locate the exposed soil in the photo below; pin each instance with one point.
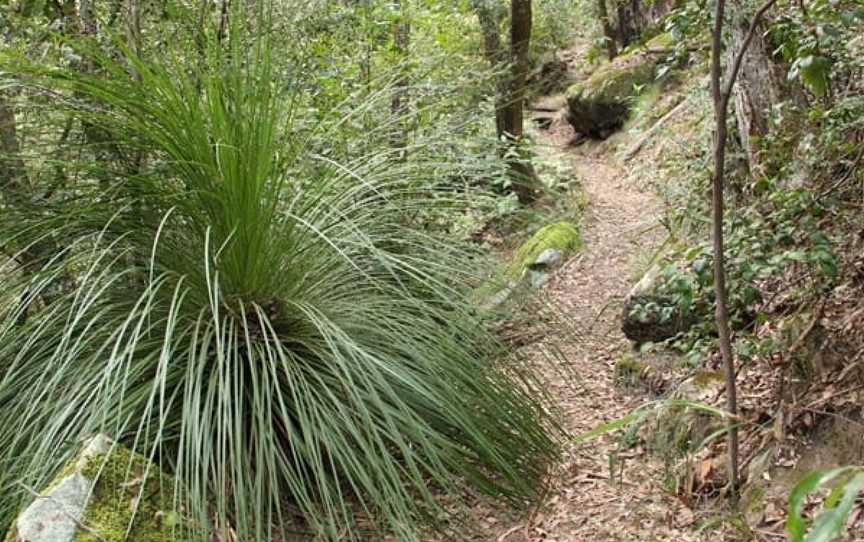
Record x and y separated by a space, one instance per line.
601 491
587 502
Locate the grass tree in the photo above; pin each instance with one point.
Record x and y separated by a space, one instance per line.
261 320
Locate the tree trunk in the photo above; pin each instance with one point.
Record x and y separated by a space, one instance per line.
523 176
760 85
86 20
721 107
608 30
12 174
399 100
490 24
634 17
628 22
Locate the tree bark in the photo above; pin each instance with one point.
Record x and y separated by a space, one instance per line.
490 24
608 30
759 87
399 100
634 17
523 175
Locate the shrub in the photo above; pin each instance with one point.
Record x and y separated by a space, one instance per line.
263 322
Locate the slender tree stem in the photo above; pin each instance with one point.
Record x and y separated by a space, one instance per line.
721 95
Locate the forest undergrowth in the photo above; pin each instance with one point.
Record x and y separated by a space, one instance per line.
410 270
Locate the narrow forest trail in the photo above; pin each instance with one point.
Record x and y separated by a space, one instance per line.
586 503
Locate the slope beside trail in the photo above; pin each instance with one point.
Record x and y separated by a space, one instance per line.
586 502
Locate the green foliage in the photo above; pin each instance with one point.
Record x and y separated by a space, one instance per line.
830 522
764 240
557 23
259 303
814 42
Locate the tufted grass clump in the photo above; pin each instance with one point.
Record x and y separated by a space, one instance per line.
263 322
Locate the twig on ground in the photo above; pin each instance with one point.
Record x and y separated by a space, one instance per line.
510 531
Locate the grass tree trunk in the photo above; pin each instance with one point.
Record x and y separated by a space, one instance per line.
608 29
722 92
760 83
523 176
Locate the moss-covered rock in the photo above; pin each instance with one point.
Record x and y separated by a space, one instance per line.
651 316
600 104
131 494
106 494
562 236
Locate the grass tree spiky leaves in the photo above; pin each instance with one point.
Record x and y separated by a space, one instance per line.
265 324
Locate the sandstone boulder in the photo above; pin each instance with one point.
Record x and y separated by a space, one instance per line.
599 105
105 494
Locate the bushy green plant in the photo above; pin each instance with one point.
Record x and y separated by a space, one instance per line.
813 42
268 323
781 230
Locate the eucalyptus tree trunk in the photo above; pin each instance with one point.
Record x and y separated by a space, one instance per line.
524 178
760 85
608 30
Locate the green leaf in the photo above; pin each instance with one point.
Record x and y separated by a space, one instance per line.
795 523
830 523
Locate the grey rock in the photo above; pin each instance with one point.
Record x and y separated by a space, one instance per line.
548 259
499 298
55 515
537 278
